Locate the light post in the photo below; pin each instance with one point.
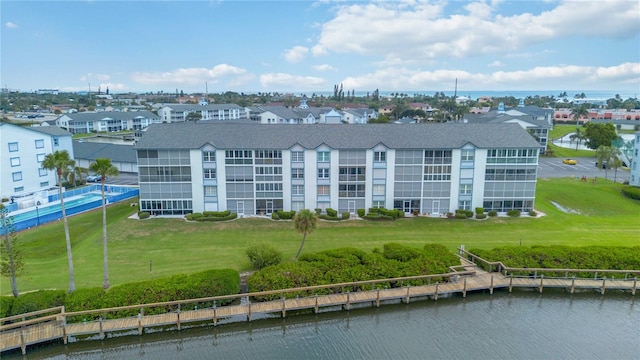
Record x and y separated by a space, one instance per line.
38 213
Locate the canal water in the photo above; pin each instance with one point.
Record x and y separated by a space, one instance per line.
522 325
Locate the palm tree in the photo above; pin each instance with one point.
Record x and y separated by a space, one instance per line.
606 154
615 164
61 162
104 168
578 136
578 112
76 175
305 222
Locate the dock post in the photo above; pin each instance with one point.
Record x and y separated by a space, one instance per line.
604 281
215 314
140 323
316 308
408 295
23 345
437 285
464 288
633 290
541 283
348 299
378 299
573 283
178 314
284 310
491 286
63 320
248 310
101 329
510 283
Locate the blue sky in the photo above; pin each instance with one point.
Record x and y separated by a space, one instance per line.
307 46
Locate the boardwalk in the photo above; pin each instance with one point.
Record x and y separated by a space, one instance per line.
470 278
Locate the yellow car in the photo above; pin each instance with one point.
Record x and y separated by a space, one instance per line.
569 161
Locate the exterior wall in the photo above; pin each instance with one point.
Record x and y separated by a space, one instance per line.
634 176
261 181
22 151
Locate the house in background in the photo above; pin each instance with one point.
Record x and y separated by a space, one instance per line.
171 113
22 151
358 115
106 121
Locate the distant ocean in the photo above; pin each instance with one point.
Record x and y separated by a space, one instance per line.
474 95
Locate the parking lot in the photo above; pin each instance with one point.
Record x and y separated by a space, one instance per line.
554 168
124 178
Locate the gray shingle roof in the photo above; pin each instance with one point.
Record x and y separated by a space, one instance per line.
198 107
116 115
51 130
338 136
96 150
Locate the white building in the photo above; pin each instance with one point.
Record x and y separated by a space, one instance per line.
634 176
170 113
22 151
106 121
257 169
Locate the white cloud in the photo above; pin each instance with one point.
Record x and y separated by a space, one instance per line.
323 67
11 25
416 31
95 77
284 81
496 63
296 54
223 74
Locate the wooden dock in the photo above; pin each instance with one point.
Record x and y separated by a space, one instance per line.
52 324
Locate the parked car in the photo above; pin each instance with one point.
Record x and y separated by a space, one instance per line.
94 178
604 165
570 161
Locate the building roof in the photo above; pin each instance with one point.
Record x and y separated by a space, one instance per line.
198 107
95 150
337 136
116 115
51 130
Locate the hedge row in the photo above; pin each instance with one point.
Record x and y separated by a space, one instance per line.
350 264
631 192
178 287
212 216
566 257
283 215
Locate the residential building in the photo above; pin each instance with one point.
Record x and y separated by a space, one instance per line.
22 151
170 113
634 176
358 115
106 121
122 156
434 168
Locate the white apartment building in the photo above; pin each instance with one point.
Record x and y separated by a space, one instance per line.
171 113
106 121
22 150
256 169
634 176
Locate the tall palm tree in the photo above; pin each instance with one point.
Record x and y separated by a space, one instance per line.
606 154
578 112
76 175
305 222
61 162
104 168
578 136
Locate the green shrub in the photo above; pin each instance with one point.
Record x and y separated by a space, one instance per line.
400 252
479 210
85 299
189 217
196 216
513 213
215 218
331 212
262 255
6 302
143 215
378 217
361 212
460 215
346 215
274 216
493 213
533 213
631 192
481 216
327 217
39 300
217 213
318 211
286 215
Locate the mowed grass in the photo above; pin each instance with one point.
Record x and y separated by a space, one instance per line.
158 247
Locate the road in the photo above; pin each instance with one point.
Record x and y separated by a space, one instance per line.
586 166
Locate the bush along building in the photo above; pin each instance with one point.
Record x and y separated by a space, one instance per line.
252 169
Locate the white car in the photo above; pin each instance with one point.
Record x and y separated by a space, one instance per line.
94 178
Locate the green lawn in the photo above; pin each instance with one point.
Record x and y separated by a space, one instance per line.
175 246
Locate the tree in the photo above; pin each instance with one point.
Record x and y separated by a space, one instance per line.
615 164
12 263
104 168
597 135
579 112
606 154
194 116
61 162
578 136
75 175
305 222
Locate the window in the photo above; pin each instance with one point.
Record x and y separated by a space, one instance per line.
465 189
18 189
323 173
17 176
464 205
323 190
13 146
208 156
297 173
15 161
467 155
378 190
297 205
380 156
297 156
210 191
39 143
42 172
209 173
378 204
44 184
297 190
40 157
55 141
323 156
